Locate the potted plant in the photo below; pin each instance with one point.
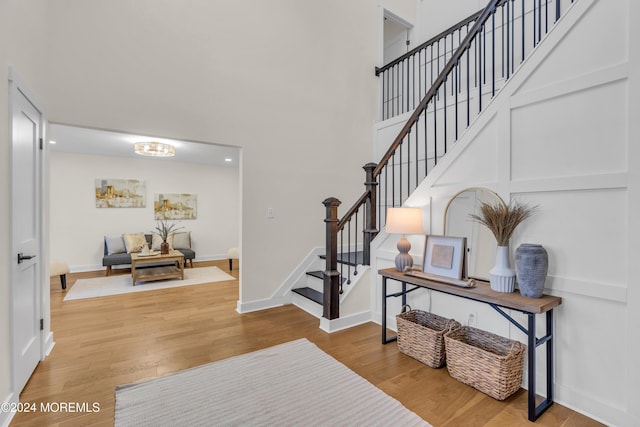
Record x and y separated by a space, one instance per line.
502 220
164 229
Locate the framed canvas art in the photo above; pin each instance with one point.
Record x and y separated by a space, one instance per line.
175 206
120 193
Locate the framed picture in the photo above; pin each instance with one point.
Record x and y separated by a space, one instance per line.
120 193
175 206
445 256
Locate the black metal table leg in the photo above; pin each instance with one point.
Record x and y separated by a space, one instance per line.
384 314
531 368
550 356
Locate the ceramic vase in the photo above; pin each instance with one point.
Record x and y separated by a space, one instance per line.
164 248
532 263
502 277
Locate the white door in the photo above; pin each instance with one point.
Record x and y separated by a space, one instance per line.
26 273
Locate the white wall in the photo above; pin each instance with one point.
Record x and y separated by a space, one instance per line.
435 16
558 137
78 227
21 23
293 86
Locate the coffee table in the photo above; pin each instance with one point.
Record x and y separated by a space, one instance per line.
152 272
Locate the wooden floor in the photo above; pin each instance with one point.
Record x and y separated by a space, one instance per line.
108 341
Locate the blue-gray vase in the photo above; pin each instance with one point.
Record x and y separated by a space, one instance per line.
532 263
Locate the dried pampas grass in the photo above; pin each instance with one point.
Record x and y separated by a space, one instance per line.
503 219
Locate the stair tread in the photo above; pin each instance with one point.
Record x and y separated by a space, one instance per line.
320 275
311 294
349 258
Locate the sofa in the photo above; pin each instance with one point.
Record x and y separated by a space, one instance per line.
118 248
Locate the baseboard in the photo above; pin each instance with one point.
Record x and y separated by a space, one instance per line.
609 415
335 325
48 344
7 416
247 307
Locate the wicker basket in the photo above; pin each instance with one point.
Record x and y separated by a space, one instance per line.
420 335
485 361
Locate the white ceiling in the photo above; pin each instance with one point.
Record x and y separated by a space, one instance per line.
73 139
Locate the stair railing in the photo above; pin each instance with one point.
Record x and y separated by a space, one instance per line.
405 80
501 37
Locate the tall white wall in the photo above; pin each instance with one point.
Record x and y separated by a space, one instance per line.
78 227
290 83
562 136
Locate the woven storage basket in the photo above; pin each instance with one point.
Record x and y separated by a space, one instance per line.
485 361
421 336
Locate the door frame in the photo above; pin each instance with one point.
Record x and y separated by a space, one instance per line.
16 84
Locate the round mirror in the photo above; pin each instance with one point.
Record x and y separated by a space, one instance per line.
481 244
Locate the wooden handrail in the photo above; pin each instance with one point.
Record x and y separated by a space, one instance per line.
464 45
429 42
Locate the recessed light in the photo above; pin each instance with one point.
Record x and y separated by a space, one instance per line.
52 142
228 159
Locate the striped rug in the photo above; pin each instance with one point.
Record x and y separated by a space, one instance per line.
292 384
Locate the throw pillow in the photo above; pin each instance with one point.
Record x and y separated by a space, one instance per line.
134 242
156 241
115 244
182 240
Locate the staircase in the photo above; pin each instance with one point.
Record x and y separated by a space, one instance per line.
446 82
314 280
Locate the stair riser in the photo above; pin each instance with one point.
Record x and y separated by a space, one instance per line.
307 305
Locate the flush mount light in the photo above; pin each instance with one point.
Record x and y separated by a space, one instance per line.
154 149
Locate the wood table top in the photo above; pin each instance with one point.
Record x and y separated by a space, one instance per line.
481 292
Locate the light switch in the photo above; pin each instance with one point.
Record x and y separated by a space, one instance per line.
269 212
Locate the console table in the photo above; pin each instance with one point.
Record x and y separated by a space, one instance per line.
498 301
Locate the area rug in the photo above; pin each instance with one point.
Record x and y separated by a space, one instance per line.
121 284
292 384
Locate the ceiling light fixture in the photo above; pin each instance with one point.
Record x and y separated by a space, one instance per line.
228 159
154 149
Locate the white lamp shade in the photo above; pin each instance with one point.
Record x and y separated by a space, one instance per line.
404 220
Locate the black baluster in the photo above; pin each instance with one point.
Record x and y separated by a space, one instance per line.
468 90
493 54
355 261
400 174
393 180
435 130
455 101
513 35
408 162
479 61
484 54
417 125
426 156
502 36
507 36
523 32
341 264
444 112
546 16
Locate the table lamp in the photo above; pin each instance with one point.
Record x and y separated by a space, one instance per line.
404 221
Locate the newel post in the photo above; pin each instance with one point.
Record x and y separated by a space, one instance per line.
370 229
331 294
